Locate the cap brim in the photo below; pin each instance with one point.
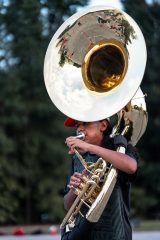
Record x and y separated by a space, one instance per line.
69 122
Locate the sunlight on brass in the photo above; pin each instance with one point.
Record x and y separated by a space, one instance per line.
87 191
105 65
77 71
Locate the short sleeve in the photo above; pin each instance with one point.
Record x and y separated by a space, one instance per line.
132 152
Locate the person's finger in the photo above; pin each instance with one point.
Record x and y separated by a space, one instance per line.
75 179
77 174
84 172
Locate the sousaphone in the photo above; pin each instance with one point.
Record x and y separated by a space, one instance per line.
93 68
95 63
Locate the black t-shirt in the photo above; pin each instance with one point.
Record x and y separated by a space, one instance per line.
114 222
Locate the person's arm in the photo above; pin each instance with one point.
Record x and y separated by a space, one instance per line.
74 183
69 199
120 161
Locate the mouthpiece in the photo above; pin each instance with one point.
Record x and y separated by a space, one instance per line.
80 135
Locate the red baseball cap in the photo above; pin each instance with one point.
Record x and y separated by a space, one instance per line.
69 122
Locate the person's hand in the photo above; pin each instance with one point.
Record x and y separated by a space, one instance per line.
73 143
75 179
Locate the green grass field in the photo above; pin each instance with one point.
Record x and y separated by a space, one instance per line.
146 225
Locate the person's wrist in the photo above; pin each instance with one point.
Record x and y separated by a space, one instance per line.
72 192
89 147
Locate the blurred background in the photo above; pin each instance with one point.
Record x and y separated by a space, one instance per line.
33 157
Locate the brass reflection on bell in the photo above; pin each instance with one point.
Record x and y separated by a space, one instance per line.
105 65
95 63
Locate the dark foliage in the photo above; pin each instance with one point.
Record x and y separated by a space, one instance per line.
33 159
32 156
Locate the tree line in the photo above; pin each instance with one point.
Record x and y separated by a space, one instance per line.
33 158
